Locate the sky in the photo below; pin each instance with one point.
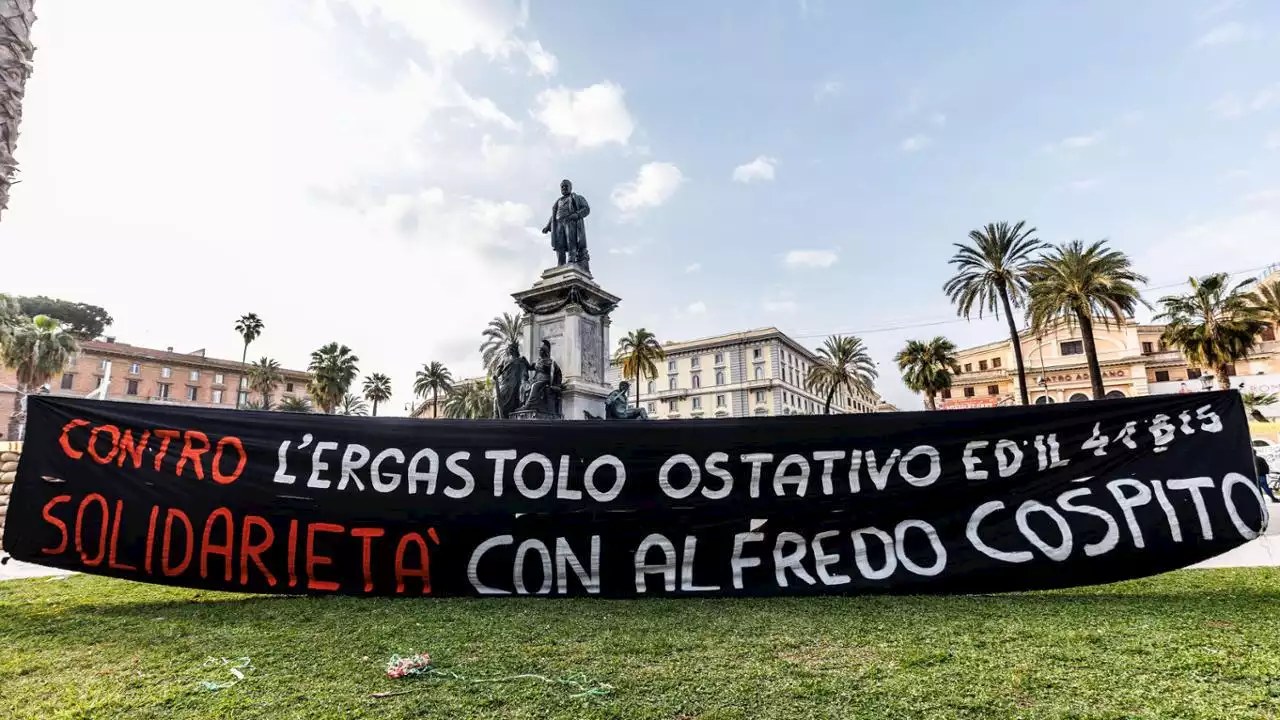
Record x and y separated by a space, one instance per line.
376 172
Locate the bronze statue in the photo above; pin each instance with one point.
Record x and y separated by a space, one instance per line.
568 231
509 381
543 390
615 405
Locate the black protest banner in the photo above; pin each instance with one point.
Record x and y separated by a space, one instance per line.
975 501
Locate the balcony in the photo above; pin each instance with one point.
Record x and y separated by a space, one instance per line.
673 394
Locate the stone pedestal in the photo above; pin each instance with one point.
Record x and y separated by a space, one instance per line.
567 308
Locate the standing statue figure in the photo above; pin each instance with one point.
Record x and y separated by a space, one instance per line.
509 381
568 231
545 385
615 405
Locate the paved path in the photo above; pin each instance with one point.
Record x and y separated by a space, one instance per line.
1261 552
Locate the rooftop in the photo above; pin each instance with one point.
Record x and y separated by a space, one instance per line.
195 358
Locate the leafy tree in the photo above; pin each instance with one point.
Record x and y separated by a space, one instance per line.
333 368
377 388
291 403
927 367
991 275
81 320
352 405
433 378
1255 401
639 354
250 327
36 350
1214 325
1074 283
500 333
15 68
257 405
470 401
1267 299
843 362
264 375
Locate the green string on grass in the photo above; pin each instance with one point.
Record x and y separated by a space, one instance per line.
418 665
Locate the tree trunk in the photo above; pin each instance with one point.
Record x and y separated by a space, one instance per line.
637 385
1091 355
930 401
16 53
827 410
435 403
243 357
1224 376
1017 344
375 407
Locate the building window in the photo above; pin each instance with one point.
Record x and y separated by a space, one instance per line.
193 394
1268 334
162 391
102 364
218 378
982 365
288 387
756 353
244 381
1162 376
719 377
993 389
1148 348
697 382
995 362
697 403
671 366
695 363
759 396
68 379
134 368
946 393
217 396
244 397
195 376
131 387
653 407
968 392
651 386
1193 374
968 367
719 401
673 406
759 372
671 384
1072 347
166 372
719 358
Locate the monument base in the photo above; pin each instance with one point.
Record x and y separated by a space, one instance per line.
570 311
534 415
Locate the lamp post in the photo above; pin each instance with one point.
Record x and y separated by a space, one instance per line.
1206 382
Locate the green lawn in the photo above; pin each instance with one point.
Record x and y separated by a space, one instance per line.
1188 644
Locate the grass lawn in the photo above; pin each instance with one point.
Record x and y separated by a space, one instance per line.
1191 644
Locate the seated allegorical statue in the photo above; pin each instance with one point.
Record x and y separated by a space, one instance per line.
542 392
616 408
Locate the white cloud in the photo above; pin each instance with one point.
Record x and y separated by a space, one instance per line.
828 88
625 250
938 119
540 61
915 143
1077 142
693 268
591 117
1232 106
1273 140
1242 240
1086 184
1227 106
653 186
759 169
780 305
697 308
1225 34
1266 195
1220 7
810 258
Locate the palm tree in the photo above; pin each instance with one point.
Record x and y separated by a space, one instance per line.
35 350
250 327
264 375
1077 283
993 270
433 378
927 367
1267 299
352 405
377 388
639 354
1214 325
470 401
843 362
16 18
257 405
290 403
1255 401
500 333
333 368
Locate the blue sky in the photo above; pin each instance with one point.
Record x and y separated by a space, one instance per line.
375 171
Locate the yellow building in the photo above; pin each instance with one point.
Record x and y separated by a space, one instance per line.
746 374
1133 359
428 409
